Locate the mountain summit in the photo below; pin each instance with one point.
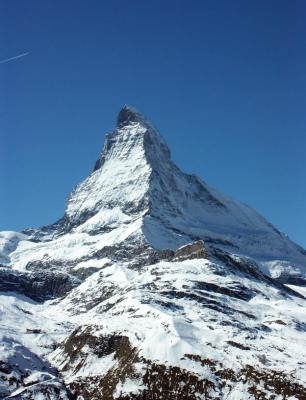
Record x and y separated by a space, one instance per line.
152 285
135 174
136 192
128 115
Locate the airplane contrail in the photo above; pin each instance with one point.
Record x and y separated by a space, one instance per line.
14 58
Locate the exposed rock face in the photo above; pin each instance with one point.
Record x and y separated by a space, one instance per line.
165 382
192 250
128 115
151 286
40 285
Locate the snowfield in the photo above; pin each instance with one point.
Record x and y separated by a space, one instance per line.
167 311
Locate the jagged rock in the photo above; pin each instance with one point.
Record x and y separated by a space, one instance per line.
40 285
191 250
128 115
164 382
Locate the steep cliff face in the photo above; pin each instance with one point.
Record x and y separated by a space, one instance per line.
152 286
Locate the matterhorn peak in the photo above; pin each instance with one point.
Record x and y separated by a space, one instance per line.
161 288
133 134
129 114
135 183
122 174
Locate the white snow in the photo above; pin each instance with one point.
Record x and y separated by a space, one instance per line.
9 241
165 334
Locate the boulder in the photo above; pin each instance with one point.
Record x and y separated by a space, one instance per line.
191 250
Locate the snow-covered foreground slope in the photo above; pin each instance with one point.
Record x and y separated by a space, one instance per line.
185 329
102 304
26 336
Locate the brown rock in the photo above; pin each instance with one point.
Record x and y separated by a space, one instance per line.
191 250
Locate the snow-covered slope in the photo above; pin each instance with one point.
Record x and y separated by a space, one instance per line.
24 340
213 325
184 329
210 320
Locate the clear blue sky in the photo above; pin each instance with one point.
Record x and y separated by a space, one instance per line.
224 81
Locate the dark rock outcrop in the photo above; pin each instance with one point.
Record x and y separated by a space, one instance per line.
38 285
165 382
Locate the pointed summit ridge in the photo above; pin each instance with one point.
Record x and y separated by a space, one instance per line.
133 132
121 176
128 115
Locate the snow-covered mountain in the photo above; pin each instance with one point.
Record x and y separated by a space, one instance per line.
152 286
